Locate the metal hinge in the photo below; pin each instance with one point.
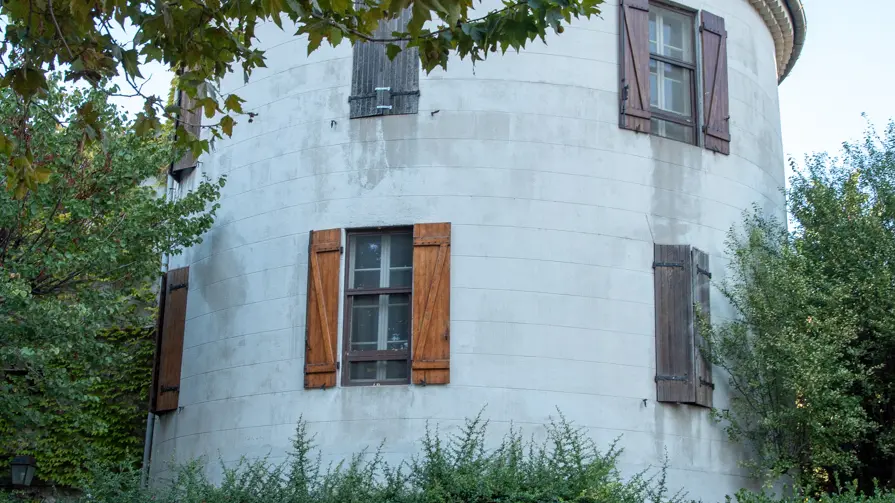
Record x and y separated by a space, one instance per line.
338 365
178 286
683 378
703 382
166 389
700 270
667 264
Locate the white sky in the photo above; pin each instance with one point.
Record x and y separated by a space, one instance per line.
842 72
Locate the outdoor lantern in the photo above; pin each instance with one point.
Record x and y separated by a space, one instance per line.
23 468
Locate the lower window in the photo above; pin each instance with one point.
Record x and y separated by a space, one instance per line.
377 306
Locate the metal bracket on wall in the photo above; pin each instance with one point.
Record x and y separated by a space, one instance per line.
667 264
703 382
700 270
177 286
167 389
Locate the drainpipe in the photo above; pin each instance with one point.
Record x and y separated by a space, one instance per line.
150 416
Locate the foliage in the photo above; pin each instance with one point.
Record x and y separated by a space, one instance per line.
850 494
202 40
565 468
77 258
109 431
811 355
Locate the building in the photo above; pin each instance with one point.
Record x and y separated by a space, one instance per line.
495 236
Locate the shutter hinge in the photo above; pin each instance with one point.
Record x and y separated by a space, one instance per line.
703 382
178 286
338 365
667 264
683 378
700 270
166 389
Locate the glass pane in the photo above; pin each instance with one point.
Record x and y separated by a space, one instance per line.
367 257
673 32
653 83
396 369
366 279
672 130
400 277
364 322
676 92
362 371
398 331
402 250
653 41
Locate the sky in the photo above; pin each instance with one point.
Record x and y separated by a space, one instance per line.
842 73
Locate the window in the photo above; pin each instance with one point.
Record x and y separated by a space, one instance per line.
378 307
672 70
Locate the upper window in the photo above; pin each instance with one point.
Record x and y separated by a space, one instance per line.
378 302
672 72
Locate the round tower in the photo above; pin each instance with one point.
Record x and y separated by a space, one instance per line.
526 235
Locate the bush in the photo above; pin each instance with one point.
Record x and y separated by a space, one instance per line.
850 494
567 467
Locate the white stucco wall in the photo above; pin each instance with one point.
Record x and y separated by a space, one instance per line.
554 212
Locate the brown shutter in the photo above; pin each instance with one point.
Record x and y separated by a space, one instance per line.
701 291
431 303
634 58
159 324
322 323
714 83
190 119
170 345
380 86
674 324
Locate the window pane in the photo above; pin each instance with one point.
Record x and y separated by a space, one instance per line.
673 34
400 277
676 93
364 322
672 130
653 40
653 83
367 257
362 371
402 250
398 332
396 369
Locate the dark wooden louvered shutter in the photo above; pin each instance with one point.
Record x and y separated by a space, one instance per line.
674 324
716 100
169 356
322 323
634 48
190 119
159 328
380 86
701 292
431 304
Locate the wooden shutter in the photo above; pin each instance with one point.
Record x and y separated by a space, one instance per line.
190 119
169 354
701 291
380 86
674 324
431 304
322 323
634 58
714 84
159 327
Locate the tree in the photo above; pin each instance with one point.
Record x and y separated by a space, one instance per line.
811 355
202 40
78 258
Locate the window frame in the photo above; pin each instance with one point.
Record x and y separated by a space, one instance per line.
693 68
349 356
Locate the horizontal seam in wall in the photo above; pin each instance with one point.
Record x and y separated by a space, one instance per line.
458 420
527 170
555 294
429 196
213 283
341 144
245 304
243 335
291 68
542 357
223 369
592 329
532 259
213 253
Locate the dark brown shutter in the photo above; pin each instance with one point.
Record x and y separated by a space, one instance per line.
714 83
431 303
170 344
160 317
701 293
380 86
634 47
190 119
322 323
674 324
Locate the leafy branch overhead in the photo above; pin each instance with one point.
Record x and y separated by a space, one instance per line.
203 40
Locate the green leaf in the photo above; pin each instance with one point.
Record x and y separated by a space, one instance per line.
392 50
227 123
234 103
27 82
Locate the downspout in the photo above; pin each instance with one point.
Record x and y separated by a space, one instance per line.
150 416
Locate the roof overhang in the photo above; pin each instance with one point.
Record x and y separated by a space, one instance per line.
787 23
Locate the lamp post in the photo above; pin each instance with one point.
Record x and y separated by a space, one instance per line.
23 468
